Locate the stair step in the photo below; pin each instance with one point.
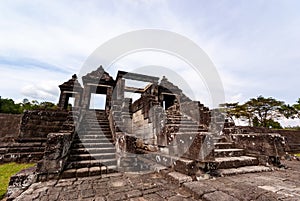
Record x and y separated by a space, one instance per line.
78 157
95 132
180 121
223 145
96 123
93 150
95 137
93 140
235 162
243 170
22 157
25 149
180 132
3 150
228 152
89 145
187 130
28 154
94 120
32 140
183 125
98 129
220 139
87 172
103 127
91 163
24 144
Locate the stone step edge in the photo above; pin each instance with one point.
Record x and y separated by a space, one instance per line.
89 172
228 150
95 161
92 155
243 170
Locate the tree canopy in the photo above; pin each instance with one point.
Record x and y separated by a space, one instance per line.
9 106
261 111
297 108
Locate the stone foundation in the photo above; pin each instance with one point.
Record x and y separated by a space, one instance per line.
39 123
10 126
262 145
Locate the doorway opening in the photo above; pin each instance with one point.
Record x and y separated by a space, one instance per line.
97 101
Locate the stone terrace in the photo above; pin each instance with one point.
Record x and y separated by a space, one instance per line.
283 184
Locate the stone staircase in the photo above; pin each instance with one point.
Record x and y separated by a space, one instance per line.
92 151
230 160
179 124
29 145
22 151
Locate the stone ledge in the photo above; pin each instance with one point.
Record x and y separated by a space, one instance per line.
178 178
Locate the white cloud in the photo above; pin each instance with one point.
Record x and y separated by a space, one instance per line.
45 90
254 45
32 83
289 122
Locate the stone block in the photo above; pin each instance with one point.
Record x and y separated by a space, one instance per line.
218 195
198 189
268 144
82 172
179 178
69 173
94 171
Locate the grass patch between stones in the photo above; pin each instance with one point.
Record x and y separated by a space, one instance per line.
6 171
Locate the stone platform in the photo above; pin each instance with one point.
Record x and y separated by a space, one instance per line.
282 184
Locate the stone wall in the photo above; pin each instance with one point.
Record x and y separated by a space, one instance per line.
196 111
293 139
262 145
292 136
57 148
10 125
197 146
26 134
55 155
39 123
141 128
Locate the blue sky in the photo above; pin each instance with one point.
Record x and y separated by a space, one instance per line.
253 44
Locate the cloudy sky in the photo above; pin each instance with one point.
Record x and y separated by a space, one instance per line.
253 44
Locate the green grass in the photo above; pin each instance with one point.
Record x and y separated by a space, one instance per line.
297 155
6 171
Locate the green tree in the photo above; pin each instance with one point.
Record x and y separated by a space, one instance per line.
47 106
262 112
288 111
9 106
259 111
235 111
264 109
297 108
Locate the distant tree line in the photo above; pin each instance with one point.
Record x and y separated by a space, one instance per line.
9 106
262 112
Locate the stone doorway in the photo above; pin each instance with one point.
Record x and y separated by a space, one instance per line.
168 100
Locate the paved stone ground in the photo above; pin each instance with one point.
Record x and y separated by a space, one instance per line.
266 186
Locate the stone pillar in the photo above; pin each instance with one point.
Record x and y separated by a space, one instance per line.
109 95
77 101
86 97
120 89
62 100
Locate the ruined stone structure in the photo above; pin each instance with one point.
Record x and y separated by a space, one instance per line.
23 137
162 127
